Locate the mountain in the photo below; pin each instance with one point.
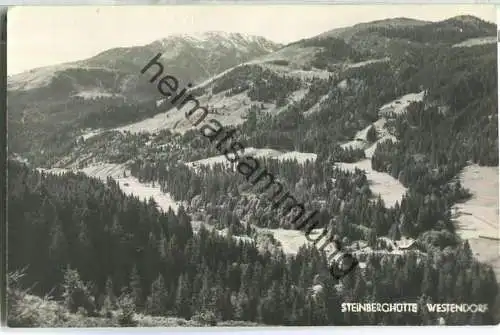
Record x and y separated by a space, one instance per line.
189 57
251 74
233 73
378 39
387 130
305 73
112 80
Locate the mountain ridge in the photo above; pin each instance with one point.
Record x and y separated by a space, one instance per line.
88 88
97 60
305 61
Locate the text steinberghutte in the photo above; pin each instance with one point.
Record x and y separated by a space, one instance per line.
403 307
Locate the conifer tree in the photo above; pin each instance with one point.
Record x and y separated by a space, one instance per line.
182 298
136 288
76 294
157 302
109 303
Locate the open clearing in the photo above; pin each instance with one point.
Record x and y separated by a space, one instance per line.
479 215
88 133
176 120
390 189
291 239
301 157
132 186
129 185
228 111
399 106
367 62
96 93
476 41
386 112
34 78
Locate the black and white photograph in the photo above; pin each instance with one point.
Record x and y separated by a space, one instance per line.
252 166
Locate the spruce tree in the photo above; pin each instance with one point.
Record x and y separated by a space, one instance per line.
136 288
76 294
157 302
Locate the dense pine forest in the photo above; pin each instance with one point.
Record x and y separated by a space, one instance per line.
97 250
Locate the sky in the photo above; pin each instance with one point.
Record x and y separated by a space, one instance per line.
40 36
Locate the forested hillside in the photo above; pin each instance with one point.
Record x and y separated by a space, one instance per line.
106 90
74 231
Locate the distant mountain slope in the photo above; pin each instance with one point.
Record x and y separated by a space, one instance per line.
455 28
60 98
303 74
302 78
388 37
189 57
